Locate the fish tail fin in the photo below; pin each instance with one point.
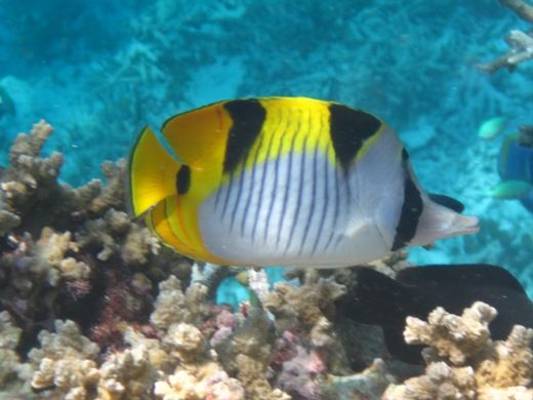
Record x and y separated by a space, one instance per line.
439 222
152 173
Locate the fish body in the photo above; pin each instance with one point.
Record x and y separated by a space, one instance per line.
515 167
284 181
492 127
513 189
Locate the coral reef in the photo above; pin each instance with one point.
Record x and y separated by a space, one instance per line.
97 309
77 274
66 249
463 362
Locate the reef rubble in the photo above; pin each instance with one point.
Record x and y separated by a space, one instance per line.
92 307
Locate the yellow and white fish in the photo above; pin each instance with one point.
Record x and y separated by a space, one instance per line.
284 181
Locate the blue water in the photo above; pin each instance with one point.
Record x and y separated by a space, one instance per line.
100 70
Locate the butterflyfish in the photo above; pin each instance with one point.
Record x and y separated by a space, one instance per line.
287 181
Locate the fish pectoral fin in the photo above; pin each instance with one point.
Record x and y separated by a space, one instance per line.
357 228
152 173
448 202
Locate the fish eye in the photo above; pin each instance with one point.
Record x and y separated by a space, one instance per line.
183 179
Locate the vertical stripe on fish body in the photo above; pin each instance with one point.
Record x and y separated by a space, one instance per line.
283 181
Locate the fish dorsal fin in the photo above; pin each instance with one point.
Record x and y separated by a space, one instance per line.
199 137
152 173
448 202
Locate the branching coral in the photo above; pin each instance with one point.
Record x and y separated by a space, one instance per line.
85 260
198 375
306 304
64 249
174 306
520 43
463 362
12 371
65 362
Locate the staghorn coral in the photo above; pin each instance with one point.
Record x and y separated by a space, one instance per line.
519 42
463 362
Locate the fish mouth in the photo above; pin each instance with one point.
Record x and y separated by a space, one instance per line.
465 225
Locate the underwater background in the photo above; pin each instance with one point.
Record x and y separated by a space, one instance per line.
100 71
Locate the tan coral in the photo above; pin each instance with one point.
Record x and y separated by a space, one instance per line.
440 382
186 342
50 257
161 359
65 362
113 194
305 304
116 235
464 363
207 381
174 306
198 376
252 375
12 370
457 338
139 243
127 375
510 363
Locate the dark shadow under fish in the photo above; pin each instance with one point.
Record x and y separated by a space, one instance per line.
377 299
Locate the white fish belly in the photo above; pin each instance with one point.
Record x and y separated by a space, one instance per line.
297 210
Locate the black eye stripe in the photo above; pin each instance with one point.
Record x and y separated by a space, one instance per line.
183 179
